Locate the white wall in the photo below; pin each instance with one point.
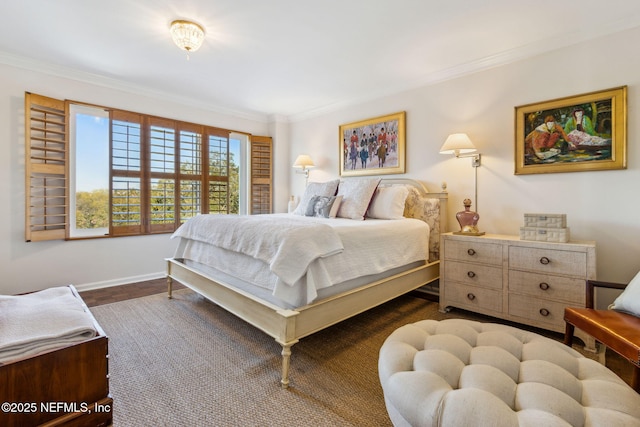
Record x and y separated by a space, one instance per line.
87 263
603 206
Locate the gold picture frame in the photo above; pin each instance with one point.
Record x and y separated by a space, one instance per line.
373 147
585 132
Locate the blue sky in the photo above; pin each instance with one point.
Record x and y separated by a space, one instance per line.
92 153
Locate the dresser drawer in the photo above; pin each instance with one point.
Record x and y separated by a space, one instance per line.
473 274
485 253
567 289
538 312
568 263
474 298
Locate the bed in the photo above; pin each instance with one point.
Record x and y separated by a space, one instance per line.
60 376
288 306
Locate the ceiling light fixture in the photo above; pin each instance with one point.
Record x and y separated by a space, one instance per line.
187 35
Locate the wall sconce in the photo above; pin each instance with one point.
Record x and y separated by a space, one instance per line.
302 165
460 145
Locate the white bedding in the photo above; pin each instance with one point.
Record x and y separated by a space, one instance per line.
276 243
370 247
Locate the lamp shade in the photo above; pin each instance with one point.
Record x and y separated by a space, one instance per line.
457 143
303 161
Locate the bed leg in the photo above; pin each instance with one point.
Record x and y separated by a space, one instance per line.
169 287
286 360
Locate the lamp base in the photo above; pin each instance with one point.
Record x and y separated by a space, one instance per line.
470 233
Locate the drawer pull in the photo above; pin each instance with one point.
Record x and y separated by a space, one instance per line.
471 252
544 312
544 286
544 260
471 296
471 274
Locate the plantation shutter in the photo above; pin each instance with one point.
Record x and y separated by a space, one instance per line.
217 179
127 157
261 175
160 191
189 170
46 168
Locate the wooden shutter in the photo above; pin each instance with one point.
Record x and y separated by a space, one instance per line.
160 189
46 168
261 175
189 171
216 184
127 159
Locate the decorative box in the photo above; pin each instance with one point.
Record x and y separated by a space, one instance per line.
545 234
545 220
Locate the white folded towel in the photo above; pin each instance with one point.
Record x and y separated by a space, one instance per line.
33 323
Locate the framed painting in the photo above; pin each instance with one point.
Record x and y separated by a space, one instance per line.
373 146
579 133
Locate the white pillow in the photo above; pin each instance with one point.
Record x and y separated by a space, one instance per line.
316 189
388 202
356 196
323 206
629 300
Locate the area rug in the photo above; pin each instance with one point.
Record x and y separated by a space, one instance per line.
186 361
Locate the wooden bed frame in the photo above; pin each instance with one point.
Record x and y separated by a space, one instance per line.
286 326
68 386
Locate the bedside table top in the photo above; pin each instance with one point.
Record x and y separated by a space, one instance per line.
516 238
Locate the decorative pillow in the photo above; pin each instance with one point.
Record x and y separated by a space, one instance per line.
323 206
388 202
335 207
629 300
316 189
356 196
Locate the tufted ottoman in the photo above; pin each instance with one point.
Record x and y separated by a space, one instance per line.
463 373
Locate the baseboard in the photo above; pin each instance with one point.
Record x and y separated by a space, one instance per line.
118 282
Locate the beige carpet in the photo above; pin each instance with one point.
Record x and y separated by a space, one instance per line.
188 362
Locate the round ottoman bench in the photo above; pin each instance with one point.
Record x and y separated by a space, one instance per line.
463 373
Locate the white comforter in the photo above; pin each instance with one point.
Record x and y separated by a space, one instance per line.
370 247
288 245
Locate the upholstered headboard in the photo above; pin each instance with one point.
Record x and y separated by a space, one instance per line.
426 206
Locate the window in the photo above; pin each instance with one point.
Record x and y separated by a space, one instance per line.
89 171
107 172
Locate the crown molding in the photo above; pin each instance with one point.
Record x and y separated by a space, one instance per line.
29 64
510 56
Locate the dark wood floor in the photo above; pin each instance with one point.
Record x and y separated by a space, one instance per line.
125 292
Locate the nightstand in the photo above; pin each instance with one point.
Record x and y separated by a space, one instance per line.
528 282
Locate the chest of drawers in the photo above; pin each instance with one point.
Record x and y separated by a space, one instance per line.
527 282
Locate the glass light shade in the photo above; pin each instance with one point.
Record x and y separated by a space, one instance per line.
187 35
303 162
457 143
